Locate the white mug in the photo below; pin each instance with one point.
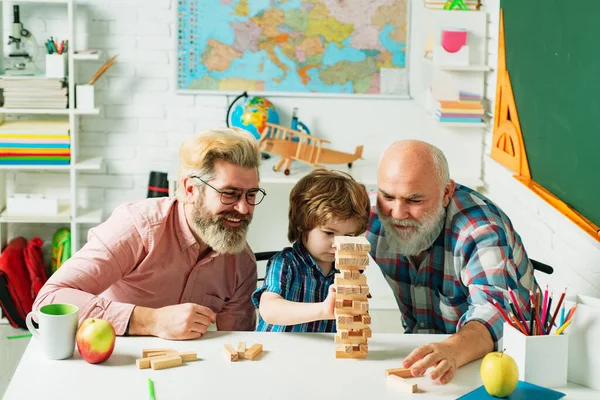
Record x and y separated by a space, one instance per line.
57 329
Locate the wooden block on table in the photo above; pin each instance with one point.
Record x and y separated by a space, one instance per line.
400 372
188 356
350 339
348 243
241 350
353 354
146 351
343 261
230 352
363 348
162 353
144 363
402 383
253 352
165 362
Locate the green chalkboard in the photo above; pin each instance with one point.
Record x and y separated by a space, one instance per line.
553 58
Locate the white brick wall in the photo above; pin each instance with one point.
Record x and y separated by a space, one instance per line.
548 235
143 122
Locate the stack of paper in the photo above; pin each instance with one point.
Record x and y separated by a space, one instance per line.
460 111
35 143
34 92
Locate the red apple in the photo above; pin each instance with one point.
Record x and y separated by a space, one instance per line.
95 340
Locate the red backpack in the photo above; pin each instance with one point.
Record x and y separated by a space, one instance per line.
22 275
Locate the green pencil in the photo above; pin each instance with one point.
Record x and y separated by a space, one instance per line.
151 389
27 335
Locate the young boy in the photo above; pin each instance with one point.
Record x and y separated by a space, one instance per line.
297 295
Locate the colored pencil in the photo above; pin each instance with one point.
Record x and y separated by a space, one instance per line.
503 313
562 328
560 300
516 303
544 307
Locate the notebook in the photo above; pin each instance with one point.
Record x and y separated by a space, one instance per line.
523 391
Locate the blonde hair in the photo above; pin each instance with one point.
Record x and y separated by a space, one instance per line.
323 196
198 154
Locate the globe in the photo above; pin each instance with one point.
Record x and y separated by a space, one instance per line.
252 114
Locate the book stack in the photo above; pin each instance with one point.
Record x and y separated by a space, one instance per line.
472 5
40 143
462 111
469 97
34 92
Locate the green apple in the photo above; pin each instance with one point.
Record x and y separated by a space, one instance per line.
95 340
499 374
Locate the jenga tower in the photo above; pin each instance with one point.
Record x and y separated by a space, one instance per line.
351 304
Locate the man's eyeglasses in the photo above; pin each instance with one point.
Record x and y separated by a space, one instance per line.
231 196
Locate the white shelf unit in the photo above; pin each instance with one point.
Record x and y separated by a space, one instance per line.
73 216
445 81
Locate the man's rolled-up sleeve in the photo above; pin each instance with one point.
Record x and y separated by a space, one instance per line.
489 271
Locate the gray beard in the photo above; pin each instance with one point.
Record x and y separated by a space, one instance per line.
420 239
213 231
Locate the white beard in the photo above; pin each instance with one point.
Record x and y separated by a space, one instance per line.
421 238
216 234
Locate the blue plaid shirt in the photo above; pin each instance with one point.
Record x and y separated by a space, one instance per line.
294 275
475 259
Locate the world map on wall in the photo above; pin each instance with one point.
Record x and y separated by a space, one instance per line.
311 46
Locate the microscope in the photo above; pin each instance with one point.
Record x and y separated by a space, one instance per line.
19 60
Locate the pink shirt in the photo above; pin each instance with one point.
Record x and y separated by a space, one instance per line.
145 255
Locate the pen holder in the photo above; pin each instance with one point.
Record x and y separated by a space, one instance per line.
56 65
84 97
542 360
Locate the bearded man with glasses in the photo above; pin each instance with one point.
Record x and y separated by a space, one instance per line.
170 267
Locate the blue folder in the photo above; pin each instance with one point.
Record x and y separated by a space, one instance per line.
523 391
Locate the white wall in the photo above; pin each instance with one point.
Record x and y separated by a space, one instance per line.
143 121
548 235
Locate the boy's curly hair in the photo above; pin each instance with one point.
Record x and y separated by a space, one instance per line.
324 196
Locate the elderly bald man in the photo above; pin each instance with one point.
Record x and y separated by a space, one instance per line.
447 252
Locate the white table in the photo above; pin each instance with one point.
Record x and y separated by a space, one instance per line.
292 366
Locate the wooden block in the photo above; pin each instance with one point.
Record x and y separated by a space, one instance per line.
189 356
144 363
367 333
349 321
230 352
165 362
357 243
241 350
402 383
343 261
253 351
146 351
347 277
400 372
363 348
353 354
360 339
162 353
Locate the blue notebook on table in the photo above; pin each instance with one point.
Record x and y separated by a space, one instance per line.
523 391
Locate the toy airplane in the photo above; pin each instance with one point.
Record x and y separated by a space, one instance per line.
278 140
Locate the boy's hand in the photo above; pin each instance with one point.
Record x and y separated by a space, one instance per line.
329 304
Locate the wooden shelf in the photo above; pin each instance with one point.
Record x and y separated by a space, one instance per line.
64 216
48 111
458 68
91 164
87 56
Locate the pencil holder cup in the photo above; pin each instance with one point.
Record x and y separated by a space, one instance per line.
56 65
542 360
84 97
